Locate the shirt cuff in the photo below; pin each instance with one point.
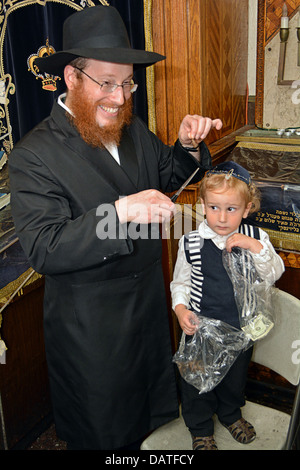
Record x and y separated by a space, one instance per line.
179 299
264 254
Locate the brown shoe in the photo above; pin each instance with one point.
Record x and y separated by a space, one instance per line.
204 443
242 431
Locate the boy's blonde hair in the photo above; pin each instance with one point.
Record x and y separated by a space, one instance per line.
221 183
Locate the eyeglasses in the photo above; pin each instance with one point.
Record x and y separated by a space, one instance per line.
107 87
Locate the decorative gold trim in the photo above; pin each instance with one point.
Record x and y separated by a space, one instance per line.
150 70
48 81
271 144
284 241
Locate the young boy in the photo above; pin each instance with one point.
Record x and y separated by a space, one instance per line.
201 285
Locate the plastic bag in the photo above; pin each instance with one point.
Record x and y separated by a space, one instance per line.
205 358
252 294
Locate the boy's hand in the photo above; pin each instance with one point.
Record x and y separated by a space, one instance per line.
243 241
187 319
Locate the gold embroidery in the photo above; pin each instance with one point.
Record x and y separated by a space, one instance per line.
48 81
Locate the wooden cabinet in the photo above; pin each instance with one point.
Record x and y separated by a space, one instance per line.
205 72
24 387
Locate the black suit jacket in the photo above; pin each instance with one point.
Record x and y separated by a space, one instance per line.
106 325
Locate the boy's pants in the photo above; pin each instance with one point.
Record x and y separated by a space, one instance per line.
225 400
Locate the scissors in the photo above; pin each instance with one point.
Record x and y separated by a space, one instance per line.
175 196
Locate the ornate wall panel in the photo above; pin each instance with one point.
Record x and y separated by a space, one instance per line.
277 104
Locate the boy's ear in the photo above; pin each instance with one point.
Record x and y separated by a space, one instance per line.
203 206
248 207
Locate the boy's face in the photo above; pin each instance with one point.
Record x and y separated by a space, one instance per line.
225 210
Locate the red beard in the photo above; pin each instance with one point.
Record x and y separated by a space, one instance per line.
84 120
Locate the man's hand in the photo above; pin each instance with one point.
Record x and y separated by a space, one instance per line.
194 129
145 207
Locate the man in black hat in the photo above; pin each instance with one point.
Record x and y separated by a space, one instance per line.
85 184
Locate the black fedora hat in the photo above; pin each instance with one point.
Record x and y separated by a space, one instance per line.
96 33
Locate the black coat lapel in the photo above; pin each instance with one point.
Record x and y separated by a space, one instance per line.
123 178
128 158
101 161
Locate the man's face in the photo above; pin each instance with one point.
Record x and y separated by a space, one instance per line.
100 116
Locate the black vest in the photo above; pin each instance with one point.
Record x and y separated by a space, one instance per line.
211 288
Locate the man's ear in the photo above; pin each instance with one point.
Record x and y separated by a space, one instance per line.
203 206
70 76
